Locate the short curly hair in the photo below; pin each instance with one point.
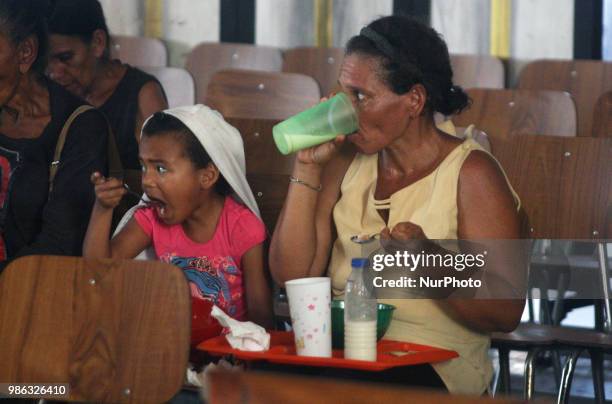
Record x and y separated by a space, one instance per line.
411 53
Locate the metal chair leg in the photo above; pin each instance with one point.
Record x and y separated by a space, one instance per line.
603 272
529 386
556 363
494 386
598 375
566 377
530 305
599 315
504 370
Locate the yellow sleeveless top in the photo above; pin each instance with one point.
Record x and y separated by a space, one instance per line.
431 203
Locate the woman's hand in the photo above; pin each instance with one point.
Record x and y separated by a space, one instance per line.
322 153
403 231
405 236
109 191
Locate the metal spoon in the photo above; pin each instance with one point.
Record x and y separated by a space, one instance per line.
133 193
365 238
140 197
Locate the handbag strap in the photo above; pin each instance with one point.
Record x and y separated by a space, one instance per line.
115 168
61 140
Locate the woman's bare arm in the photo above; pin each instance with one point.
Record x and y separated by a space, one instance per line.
151 99
257 289
487 211
302 239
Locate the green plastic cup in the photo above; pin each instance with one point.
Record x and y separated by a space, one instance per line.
316 125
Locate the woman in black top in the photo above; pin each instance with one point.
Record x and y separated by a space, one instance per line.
33 111
80 62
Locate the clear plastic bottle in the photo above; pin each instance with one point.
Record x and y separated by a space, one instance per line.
360 313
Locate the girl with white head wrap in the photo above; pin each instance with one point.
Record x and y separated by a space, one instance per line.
208 227
224 146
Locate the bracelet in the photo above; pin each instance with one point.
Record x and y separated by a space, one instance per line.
299 181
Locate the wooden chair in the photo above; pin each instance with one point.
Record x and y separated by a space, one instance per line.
139 51
585 80
177 83
565 188
323 64
115 331
262 95
477 71
208 58
270 191
564 183
267 169
262 155
602 117
503 113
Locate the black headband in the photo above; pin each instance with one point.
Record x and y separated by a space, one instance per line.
380 42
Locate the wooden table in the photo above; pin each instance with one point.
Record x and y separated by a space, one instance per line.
264 388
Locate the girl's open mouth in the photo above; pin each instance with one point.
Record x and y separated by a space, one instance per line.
158 205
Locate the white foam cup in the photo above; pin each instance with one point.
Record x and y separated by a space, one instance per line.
309 306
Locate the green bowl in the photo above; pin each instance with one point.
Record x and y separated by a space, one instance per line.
385 313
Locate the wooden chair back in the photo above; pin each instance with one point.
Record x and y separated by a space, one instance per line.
270 191
564 183
262 155
267 169
602 117
177 83
585 80
323 64
477 71
139 51
262 95
208 58
115 331
504 113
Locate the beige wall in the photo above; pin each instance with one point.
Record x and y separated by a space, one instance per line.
184 24
464 24
540 28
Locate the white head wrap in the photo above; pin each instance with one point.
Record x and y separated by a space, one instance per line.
223 144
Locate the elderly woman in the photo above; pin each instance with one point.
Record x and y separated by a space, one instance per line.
402 176
80 62
39 215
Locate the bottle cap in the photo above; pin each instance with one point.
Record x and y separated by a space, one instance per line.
359 262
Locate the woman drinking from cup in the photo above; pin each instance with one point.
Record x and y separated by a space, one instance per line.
403 177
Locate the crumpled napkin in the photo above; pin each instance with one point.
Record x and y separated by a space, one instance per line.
243 335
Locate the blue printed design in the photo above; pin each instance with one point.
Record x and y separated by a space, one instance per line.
200 272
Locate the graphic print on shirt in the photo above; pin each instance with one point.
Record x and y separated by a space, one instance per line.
210 278
8 164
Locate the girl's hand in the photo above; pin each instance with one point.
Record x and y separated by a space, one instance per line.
109 191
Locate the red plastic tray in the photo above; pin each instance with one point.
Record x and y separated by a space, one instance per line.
282 350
